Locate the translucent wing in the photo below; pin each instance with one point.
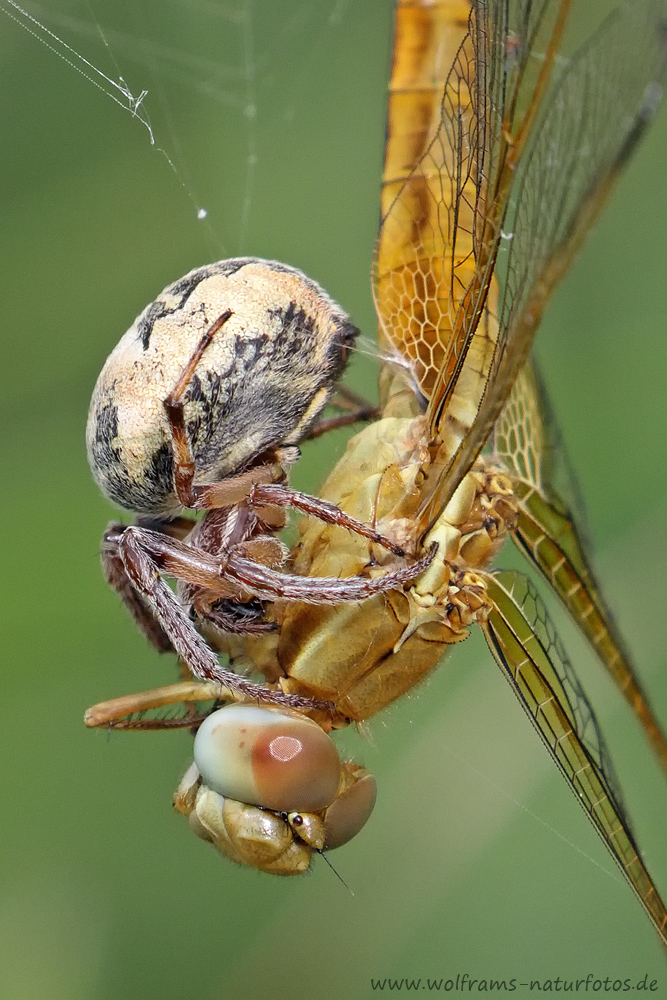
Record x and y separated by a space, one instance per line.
525 443
432 190
457 93
594 117
502 161
524 643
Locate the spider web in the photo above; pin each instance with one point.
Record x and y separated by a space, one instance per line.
171 65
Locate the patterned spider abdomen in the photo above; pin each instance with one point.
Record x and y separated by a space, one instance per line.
261 382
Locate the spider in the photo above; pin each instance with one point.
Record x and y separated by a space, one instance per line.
201 406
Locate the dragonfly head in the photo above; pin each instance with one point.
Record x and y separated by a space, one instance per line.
268 789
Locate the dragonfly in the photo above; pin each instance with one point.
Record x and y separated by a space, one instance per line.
500 154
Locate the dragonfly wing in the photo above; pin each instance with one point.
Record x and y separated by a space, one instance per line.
459 88
594 114
431 192
525 645
525 443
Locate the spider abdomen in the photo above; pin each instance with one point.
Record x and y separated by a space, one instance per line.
263 379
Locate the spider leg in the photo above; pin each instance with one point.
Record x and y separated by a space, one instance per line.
233 575
116 576
138 548
268 584
356 409
143 574
279 495
219 531
184 460
258 488
347 399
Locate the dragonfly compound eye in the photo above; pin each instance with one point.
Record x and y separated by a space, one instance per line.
266 758
352 807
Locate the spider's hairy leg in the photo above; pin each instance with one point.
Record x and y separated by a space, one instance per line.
146 553
184 460
117 577
279 495
258 488
355 409
136 548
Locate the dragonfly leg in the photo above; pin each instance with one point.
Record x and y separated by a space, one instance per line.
125 712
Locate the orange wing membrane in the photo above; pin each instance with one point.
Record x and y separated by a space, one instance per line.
516 152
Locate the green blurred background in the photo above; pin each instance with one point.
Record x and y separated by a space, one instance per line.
477 858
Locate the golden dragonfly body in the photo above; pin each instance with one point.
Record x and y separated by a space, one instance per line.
499 156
